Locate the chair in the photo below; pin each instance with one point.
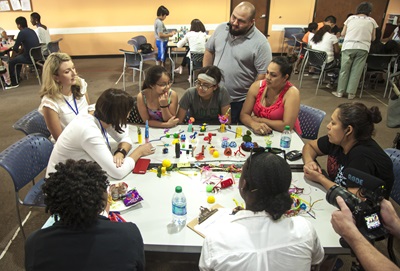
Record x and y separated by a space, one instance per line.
310 120
317 59
24 161
31 123
378 64
298 43
134 59
288 38
394 155
134 116
54 46
196 63
37 59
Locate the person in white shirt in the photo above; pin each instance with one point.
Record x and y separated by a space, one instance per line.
42 31
64 94
259 238
87 137
196 38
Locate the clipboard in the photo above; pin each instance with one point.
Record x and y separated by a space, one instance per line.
193 224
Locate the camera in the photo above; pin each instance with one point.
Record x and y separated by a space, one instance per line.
365 212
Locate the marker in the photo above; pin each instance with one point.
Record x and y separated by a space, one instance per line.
146 132
139 135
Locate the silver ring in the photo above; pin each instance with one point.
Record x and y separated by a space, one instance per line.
261 131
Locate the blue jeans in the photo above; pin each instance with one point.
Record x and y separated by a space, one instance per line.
11 67
162 50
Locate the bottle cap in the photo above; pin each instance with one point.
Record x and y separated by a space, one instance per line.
178 189
287 127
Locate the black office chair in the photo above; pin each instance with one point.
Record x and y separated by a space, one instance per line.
37 60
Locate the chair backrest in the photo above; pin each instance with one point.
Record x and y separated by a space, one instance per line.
316 58
131 59
137 41
54 46
289 31
310 120
394 154
33 122
26 159
298 37
379 62
36 54
196 57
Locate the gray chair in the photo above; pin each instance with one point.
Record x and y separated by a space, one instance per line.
310 120
37 59
196 63
24 161
31 123
54 46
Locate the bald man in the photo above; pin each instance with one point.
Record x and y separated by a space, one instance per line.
241 51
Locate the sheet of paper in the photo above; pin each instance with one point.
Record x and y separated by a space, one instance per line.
4 6
15 4
223 215
26 5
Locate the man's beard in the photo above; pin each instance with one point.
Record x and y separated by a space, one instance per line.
239 32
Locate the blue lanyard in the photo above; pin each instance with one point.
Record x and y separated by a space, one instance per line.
70 106
104 133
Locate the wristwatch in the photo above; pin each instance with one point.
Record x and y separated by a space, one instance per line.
121 150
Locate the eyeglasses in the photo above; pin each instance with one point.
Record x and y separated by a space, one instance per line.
203 87
165 85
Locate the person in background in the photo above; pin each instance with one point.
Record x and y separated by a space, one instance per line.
81 239
311 29
161 34
259 237
26 39
368 256
87 137
157 102
324 41
241 51
196 38
274 101
3 34
349 144
359 31
395 35
377 47
42 31
64 94
207 99
331 21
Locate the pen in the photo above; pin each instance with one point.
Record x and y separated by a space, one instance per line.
146 132
311 214
139 134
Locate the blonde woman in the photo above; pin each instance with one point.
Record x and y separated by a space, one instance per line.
64 94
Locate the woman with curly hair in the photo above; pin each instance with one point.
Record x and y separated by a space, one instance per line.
87 137
81 239
349 144
64 94
259 238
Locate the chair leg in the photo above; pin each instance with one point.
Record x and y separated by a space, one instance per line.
37 74
320 79
387 82
191 73
19 216
363 80
140 75
123 79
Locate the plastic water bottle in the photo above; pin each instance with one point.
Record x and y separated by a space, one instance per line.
286 138
179 207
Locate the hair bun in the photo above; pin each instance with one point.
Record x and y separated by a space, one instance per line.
375 114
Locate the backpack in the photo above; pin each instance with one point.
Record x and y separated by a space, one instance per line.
146 48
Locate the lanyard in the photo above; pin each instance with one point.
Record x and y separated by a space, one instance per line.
70 106
104 133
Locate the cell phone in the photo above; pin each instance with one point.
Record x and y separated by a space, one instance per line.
141 166
293 155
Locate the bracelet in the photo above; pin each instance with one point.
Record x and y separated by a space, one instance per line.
165 106
120 150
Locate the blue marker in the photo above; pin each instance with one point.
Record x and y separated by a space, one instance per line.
146 132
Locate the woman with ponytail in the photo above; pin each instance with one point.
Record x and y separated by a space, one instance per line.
349 144
260 237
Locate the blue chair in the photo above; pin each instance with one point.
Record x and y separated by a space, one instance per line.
24 161
310 120
31 123
288 38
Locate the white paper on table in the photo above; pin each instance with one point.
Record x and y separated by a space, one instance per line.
222 216
15 4
4 6
26 5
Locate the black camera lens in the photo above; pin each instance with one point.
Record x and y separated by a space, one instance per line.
351 200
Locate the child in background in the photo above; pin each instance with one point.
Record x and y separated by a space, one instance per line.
196 38
312 28
161 34
207 99
157 103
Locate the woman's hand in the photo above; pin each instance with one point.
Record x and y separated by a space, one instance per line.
146 149
313 166
173 121
118 159
261 128
163 99
313 172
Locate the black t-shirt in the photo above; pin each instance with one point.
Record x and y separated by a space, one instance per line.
105 246
28 38
366 156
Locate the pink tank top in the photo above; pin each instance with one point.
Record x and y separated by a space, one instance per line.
276 110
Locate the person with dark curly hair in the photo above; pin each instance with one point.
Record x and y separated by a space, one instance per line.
349 144
81 239
86 137
259 238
